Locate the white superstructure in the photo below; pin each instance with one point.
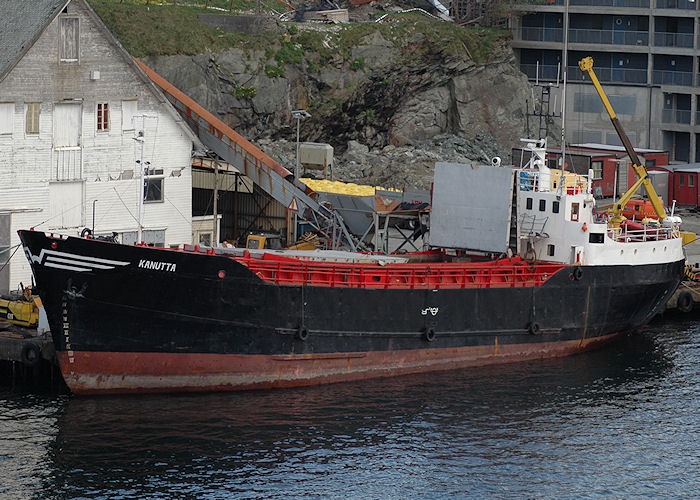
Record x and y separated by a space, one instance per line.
558 223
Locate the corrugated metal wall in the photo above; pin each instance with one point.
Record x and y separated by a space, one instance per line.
242 213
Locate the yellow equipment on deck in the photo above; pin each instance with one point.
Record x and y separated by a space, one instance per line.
586 65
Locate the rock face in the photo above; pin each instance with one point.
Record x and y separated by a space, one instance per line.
388 115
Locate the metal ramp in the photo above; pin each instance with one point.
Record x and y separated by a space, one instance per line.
267 173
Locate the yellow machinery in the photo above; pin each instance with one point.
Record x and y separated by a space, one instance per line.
21 308
586 65
274 242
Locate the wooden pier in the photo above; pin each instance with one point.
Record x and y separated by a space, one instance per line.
28 359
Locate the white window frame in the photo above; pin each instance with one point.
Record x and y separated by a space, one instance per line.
35 117
597 172
157 177
7 118
129 110
101 121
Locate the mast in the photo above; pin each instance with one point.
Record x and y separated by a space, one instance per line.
563 95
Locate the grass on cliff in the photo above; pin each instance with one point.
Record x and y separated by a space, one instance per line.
168 27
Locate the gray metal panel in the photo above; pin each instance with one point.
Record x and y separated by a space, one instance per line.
357 211
471 207
4 252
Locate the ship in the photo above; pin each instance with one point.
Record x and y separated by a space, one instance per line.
520 266
134 318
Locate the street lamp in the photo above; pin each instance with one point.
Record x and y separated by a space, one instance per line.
299 114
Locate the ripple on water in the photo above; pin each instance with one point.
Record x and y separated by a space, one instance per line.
621 422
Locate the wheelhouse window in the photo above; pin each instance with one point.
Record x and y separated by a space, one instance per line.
597 167
102 116
574 212
68 43
691 180
681 179
32 118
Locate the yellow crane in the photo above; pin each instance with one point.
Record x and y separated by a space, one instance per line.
586 65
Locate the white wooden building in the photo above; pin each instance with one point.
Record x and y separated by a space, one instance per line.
77 116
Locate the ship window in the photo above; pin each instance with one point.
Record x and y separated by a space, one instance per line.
682 179
596 238
550 250
691 180
555 207
543 205
597 167
574 212
528 204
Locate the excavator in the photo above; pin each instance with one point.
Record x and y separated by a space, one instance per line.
615 213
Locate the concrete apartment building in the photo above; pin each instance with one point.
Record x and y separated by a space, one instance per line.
646 55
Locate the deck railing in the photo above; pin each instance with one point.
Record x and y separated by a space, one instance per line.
622 234
506 273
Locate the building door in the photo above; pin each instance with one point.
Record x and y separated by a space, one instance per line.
5 253
67 123
685 189
65 205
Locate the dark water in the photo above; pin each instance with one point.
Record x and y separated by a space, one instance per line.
620 422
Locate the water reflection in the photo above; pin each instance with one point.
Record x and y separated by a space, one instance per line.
506 430
620 422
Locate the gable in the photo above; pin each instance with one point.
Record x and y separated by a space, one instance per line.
21 23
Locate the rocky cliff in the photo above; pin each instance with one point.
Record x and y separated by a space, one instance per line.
392 101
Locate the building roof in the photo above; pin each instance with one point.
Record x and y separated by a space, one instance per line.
608 147
21 23
687 167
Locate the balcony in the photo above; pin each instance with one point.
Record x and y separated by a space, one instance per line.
67 163
614 37
673 40
679 116
675 4
546 71
644 4
683 78
542 34
626 75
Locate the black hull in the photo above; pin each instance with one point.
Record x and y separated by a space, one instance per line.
196 312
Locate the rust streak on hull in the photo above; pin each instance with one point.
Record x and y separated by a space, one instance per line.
113 373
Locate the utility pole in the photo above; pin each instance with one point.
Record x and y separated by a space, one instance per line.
299 114
215 232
